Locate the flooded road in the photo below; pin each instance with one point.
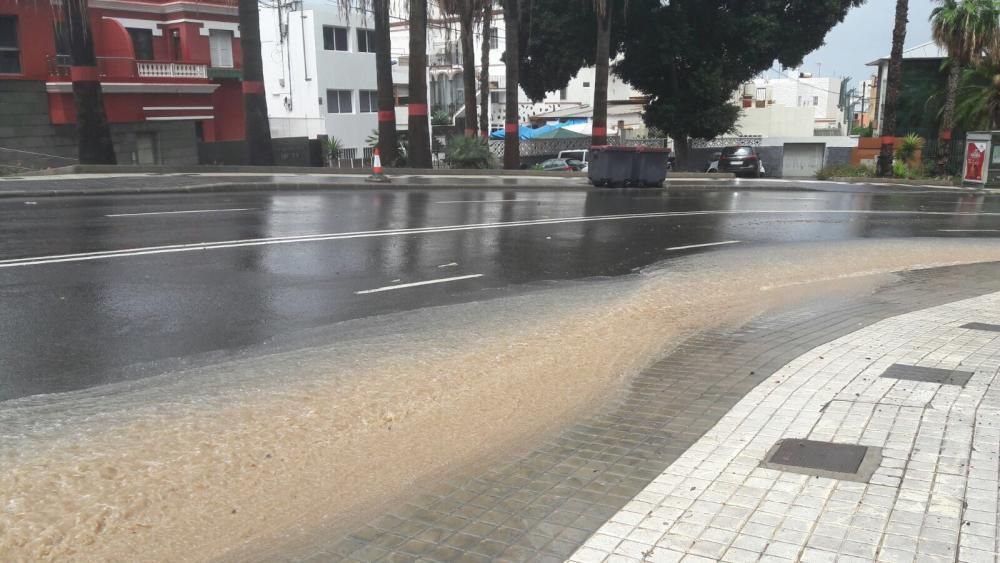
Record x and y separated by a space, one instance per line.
105 289
243 365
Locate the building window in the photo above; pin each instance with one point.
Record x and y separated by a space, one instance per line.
339 101
815 100
563 94
10 52
495 97
494 38
368 101
335 38
366 41
220 43
586 84
142 43
761 94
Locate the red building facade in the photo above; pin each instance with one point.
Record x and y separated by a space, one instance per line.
170 73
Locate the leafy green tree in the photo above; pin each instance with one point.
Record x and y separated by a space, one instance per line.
966 28
893 81
484 74
557 42
602 62
978 103
419 128
467 12
94 143
690 56
512 10
258 127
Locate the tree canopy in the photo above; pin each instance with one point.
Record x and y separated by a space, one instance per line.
688 57
557 40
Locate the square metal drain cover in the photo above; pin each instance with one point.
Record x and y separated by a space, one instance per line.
982 326
928 375
848 462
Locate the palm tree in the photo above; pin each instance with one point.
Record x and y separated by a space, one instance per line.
387 143
484 73
419 128
892 89
978 104
965 28
258 128
603 60
468 11
512 139
94 143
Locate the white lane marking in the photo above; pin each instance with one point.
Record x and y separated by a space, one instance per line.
244 243
969 230
449 265
417 284
489 201
180 212
690 246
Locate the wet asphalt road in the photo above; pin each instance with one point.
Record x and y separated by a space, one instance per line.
101 289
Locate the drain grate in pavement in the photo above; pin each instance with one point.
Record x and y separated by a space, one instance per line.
847 462
928 375
982 326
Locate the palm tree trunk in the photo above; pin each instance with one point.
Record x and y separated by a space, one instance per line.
512 139
893 79
419 128
948 119
600 130
258 128
484 73
387 144
94 143
469 70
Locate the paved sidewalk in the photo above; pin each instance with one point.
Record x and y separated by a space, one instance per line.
544 505
920 390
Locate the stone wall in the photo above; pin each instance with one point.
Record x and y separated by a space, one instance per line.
28 140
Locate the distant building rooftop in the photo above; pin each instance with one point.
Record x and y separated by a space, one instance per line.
926 51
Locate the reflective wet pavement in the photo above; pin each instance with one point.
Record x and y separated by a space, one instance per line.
286 262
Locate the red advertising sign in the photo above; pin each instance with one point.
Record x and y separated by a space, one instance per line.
975 161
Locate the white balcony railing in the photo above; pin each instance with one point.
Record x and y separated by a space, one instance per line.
151 69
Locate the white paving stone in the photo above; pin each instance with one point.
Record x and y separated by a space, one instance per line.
934 496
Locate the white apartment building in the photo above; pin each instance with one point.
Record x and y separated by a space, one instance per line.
319 73
447 88
797 105
320 78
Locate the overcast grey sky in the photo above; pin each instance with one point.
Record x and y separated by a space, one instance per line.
866 35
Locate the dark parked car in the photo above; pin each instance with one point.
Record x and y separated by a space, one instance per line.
562 165
742 161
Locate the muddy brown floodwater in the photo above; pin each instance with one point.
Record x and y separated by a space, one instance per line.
227 462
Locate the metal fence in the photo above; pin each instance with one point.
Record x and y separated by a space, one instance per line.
722 142
552 147
955 159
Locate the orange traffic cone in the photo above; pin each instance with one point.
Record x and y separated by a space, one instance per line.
377 175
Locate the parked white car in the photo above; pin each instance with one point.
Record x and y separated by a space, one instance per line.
583 155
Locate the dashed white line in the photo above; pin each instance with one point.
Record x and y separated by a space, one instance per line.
245 243
180 212
417 284
706 245
969 230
